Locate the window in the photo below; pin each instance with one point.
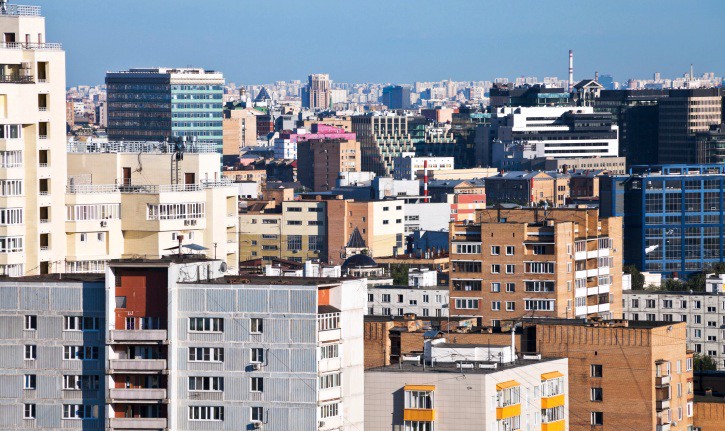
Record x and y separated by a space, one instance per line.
466 303
596 370
256 384
206 384
206 354
89 382
635 303
539 304
386 297
31 323
495 287
418 399
329 381
466 266
510 306
256 325
597 418
257 414
495 250
553 414
329 410
510 287
11 216
80 323
509 250
257 355
80 353
496 305
294 242
508 397
29 381
400 299
510 269
80 411
84 237
180 211
596 394
11 244
206 413
539 286
329 351
539 249
206 324
28 411
539 267
698 319
495 269
468 248
426 299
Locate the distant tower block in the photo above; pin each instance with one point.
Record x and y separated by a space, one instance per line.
571 71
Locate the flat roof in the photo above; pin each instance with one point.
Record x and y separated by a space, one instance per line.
451 367
260 280
57 278
396 287
634 324
669 292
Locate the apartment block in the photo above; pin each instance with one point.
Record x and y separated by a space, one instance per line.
32 140
509 263
322 157
528 188
383 138
672 216
408 167
158 104
482 388
166 203
239 130
291 230
622 375
316 95
703 313
375 227
422 301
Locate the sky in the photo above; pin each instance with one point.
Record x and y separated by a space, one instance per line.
396 41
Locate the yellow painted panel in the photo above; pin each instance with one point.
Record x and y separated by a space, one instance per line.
552 375
419 388
506 385
554 426
555 401
427 415
508 412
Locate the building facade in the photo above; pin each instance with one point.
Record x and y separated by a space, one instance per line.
316 95
519 262
161 104
408 167
32 139
396 97
320 161
382 139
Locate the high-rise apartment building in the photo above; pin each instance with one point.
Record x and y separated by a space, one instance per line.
681 116
516 135
320 161
383 138
622 375
710 145
240 130
160 104
396 97
173 344
316 95
32 145
673 216
559 262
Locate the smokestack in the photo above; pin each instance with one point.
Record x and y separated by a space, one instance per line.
425 180
692 72
571 71
596 76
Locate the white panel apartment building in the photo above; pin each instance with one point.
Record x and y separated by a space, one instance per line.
517 134
32 145
178 346
409 167
704 313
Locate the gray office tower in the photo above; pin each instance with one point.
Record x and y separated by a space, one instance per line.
396 97
161 104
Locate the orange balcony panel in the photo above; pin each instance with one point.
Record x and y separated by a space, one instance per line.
554 426
551 375
506 385
426 415
508 412
555 401
419 388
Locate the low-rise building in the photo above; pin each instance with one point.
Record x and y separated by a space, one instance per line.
409 167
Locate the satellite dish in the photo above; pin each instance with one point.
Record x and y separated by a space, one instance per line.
223 267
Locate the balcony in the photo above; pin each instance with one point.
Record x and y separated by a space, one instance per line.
84 189
137 365
328 365
329 335
663 427
662 405
138 336
559 425
16 79
128 394
137 423
662 381
329 394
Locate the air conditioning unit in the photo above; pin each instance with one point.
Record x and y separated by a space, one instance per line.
257 425
256 366
104 223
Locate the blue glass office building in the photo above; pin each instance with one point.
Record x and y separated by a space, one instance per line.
673 216
160 104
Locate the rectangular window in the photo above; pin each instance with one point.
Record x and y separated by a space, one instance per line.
510 287
256 384
206 413
80 323
496 305
510 306
466 303
257 414
329 410
329 351
539 286
329 381
597 418
89 382
256 325
206 384
418 399
495 269
80 411
206 354
80 353
180 211
510 269
468 248
596 370
539 267
509 250
596 394
495 287
495 250
28 411
29 381
294 242
257 355
539 304
206 324
31 323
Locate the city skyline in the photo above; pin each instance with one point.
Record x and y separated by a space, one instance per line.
415 41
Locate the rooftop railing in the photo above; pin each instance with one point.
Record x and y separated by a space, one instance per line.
31 45
21 10
143 188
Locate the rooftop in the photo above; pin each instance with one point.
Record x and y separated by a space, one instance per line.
56 278
258 280
452 367
669 292
634 324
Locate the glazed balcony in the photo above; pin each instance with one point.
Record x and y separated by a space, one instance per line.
137 394
136 336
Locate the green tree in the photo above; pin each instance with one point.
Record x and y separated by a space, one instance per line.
637 277
673 285
399 272
704 362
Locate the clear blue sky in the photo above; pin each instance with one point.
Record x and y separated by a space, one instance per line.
389 40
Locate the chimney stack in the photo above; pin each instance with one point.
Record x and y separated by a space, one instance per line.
571 71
